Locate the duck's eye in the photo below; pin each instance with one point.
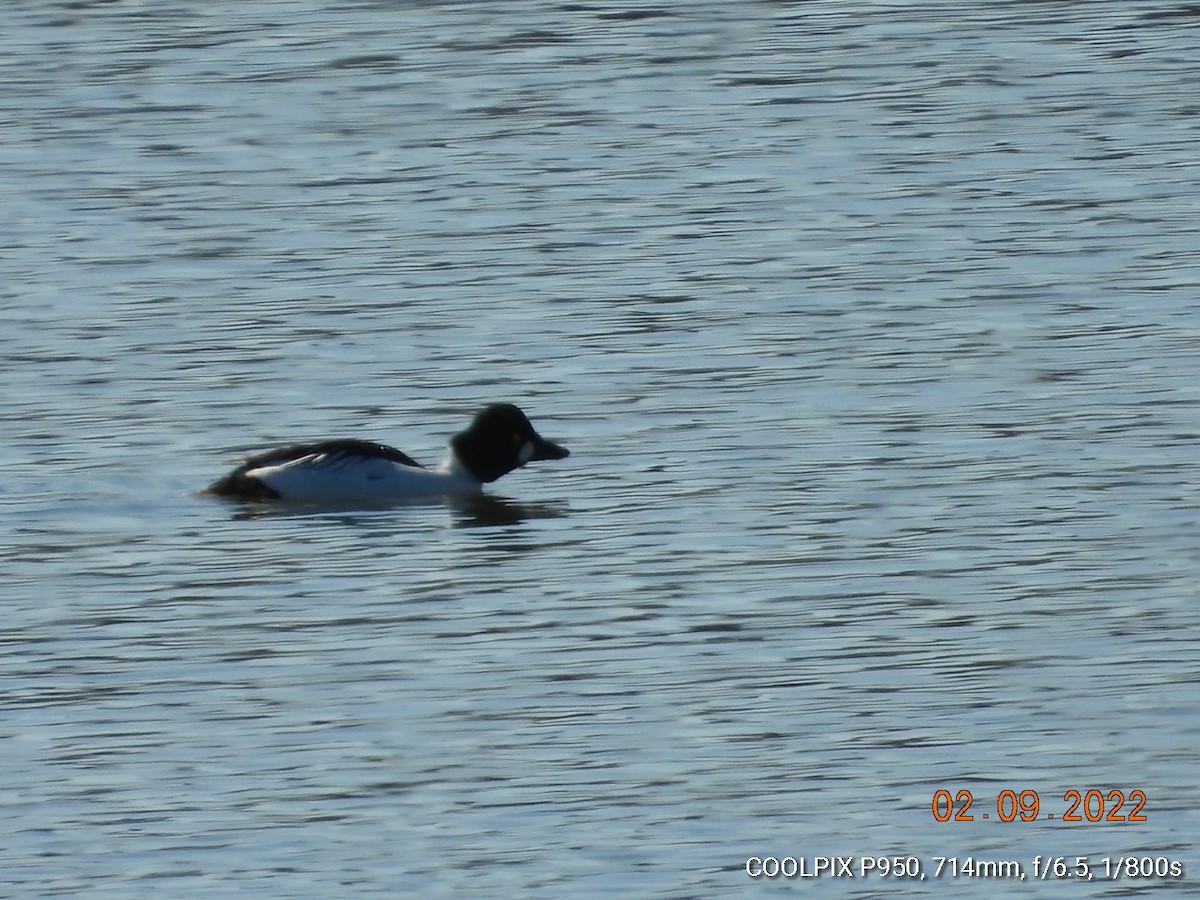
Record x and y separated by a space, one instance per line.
516 438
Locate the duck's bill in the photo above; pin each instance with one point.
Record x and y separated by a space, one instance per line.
544 449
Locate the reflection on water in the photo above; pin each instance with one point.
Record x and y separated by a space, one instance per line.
873 328
484 511
467 510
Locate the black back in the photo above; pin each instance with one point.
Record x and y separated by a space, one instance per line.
239 484
343 447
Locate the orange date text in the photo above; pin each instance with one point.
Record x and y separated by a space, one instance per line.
1090 805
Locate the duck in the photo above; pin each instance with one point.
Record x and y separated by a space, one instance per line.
499 439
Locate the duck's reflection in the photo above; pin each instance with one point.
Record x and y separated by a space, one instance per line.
468 511
487 510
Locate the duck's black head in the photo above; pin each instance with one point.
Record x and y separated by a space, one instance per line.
499 440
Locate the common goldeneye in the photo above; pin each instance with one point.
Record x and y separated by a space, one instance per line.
498 440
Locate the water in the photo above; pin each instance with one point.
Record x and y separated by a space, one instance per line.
872 329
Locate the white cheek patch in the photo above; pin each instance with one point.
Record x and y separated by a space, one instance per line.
526 453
